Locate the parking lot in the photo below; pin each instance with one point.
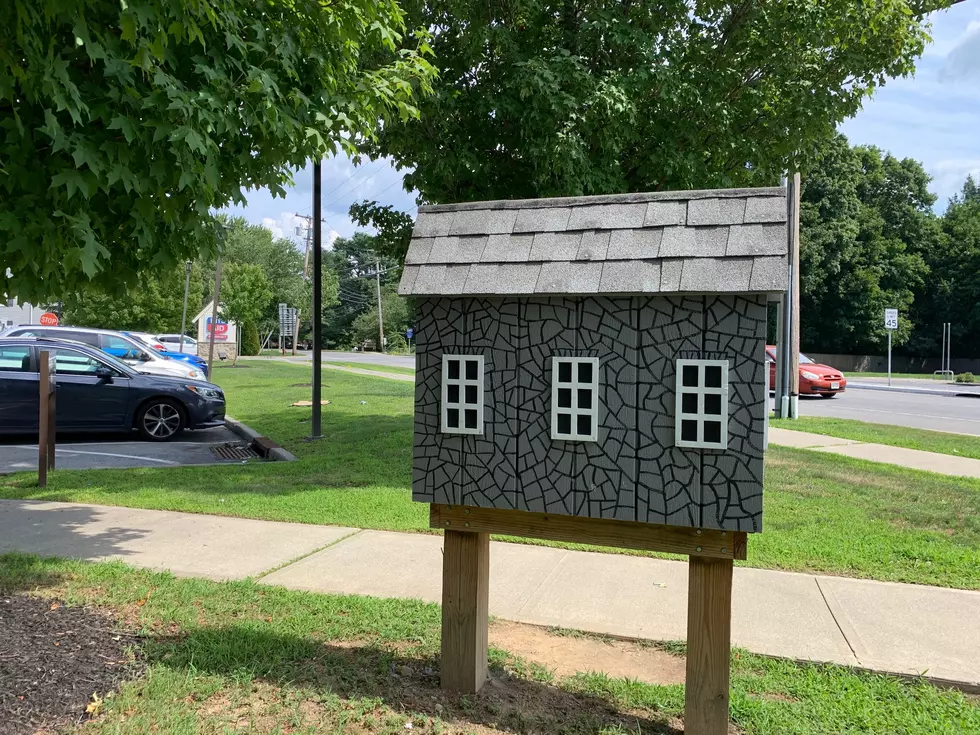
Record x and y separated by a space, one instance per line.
104 451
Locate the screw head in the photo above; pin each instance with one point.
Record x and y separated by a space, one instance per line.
467 524
724 550
698 532
447 523
698 548
467 511
449 507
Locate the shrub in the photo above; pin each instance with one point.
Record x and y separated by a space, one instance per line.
250 340
966 378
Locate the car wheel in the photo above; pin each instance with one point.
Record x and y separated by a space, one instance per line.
828 395
160 420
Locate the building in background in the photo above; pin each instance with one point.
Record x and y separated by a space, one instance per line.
13 314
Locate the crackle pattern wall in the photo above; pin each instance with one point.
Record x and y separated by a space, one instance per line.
633 471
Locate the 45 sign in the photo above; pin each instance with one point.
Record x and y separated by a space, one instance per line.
891 318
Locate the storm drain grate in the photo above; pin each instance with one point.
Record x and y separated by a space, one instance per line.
233 451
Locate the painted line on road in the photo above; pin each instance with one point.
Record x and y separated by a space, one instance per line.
904 413
104 454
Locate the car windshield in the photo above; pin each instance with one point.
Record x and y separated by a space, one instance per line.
804 360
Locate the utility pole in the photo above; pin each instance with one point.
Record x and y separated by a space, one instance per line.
317 298
183 315
381 323
788 342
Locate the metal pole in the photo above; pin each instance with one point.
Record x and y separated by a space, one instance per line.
949 348
214 317
183 316
889 357
317 299
794 296
942 353
381 324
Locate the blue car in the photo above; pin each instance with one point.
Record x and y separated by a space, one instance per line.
189 357
96 392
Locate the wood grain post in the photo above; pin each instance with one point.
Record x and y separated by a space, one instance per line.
46 424
465 610
709 634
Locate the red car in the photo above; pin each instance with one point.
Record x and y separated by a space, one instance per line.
815 379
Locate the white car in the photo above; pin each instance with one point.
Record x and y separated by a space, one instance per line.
172 342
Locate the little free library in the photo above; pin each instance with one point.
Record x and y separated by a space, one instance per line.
592 369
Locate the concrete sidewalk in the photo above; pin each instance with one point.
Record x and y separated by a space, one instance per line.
905 629
946 464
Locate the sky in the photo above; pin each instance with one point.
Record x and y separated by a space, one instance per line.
933 117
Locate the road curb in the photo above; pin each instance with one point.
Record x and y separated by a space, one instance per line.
907 389
262 444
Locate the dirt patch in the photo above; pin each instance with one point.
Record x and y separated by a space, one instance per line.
566 655
55 661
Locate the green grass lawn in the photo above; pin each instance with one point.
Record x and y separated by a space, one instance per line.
241 657
823 513
958 445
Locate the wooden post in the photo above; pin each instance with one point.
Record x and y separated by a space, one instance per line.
709 633
46 418
465 610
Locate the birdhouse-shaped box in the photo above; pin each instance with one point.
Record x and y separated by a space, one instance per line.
597 356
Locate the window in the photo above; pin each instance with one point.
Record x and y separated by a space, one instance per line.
702 404
69 362
15 359
575 398
462 394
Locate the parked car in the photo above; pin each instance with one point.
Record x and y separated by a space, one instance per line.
96 392
172 342
815 378
189 357
132 352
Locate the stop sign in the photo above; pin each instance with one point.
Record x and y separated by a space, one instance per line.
49 319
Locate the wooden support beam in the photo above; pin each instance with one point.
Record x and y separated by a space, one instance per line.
465 610
707 542
46 424
709 634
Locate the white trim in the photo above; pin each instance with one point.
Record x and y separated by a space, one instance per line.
699 416
462 405
574 411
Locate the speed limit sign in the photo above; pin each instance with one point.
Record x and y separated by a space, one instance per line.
891 318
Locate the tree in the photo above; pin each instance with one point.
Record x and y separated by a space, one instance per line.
250 340
124 124
245 293
571 97
154 304
396 316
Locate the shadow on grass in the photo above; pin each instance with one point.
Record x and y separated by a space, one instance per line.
402 681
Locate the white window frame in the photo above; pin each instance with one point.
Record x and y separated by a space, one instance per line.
461 405
700 390
575 411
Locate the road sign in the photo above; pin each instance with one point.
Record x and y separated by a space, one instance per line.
49 319
891 318
409 333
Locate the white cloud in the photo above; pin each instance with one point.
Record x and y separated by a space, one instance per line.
949 175
282 226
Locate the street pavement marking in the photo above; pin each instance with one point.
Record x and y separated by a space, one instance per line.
104 454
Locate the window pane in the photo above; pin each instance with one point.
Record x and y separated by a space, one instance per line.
712 431
115 343
564 423
470 417
585 372
712 376
585 398
15 359
69 362
452 394
712 404
452 418
584 424
689 431
690 377
689 402
472 370
454 369
564 372
564 398
471 392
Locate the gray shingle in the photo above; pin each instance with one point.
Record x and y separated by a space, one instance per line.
418 250
483 222
634 244
593 246
670 274
769 239
665 214
440 279
630 277
432 224
457 249
715 211
607 217
716 275
569 278
765 209
678 242
407 283
769 274
555 246
550 219
710 241
502 278
504 248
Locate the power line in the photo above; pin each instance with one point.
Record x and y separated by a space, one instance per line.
359 170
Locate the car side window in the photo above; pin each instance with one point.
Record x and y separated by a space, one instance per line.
111 342
15 359
70 362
